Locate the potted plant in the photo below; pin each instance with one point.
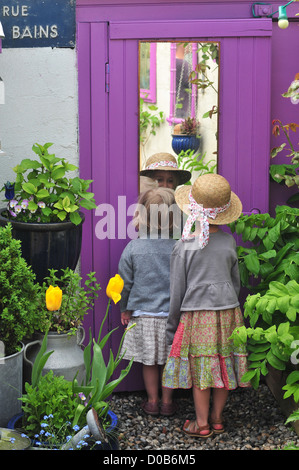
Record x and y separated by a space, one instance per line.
43 205
18 314
63 301
269 268
186 135
74 400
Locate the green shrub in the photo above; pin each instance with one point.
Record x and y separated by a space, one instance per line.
18 292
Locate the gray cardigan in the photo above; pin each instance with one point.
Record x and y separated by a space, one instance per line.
145 268
206 279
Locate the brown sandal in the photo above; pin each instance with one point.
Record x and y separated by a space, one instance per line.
150 408
198 432
217 425
168 409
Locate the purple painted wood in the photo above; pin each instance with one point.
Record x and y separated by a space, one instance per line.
244 132
93 110
244 122
189 28
124 167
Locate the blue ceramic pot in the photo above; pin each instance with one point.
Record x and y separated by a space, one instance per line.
185 142
16 422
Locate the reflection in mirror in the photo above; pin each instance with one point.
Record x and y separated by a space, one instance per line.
178 91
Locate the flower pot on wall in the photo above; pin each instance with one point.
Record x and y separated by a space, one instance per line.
11 382
67 358
185 142
48 246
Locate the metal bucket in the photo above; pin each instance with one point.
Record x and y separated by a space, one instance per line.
67 358
11 382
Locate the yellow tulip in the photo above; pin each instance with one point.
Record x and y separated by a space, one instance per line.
114 288
53 298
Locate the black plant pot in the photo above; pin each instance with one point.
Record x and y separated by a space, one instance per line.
48 246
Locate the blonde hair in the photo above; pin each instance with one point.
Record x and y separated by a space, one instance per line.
147 183
153 214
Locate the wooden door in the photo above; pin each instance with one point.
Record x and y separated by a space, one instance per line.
109 109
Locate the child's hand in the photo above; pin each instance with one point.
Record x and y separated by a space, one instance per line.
125 317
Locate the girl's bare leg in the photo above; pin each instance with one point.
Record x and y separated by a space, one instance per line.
202 404
151 381
220 396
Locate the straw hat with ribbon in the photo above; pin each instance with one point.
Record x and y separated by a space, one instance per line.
166 162
209 200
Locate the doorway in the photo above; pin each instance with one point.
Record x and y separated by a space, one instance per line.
109 101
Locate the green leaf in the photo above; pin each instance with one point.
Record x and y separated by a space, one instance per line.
257 356
283 328
275 362
268 255
283 303
252 263
75 218
88 204
278 289
61 215
291 314
58 173
28 164
40 361
42 193
32 206
29 188
295 301
293 377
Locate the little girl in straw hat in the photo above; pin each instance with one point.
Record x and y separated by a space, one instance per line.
204 306
144 266
163 168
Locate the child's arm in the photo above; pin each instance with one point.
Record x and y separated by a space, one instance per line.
125 270
177 292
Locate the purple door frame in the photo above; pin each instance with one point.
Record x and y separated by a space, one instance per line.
112 161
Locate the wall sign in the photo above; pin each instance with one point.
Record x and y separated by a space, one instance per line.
38 23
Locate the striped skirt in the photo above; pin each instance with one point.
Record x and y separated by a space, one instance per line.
202 355
146 341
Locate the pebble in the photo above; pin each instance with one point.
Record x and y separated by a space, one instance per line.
252 418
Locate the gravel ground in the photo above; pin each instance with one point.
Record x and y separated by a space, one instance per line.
253 421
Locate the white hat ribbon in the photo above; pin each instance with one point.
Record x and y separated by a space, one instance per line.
161 163
197 211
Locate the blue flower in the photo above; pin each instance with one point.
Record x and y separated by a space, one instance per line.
9 190
76 427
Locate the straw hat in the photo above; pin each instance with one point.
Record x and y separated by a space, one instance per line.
211 191
166 162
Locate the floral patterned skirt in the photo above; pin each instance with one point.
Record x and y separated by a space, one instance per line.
202 355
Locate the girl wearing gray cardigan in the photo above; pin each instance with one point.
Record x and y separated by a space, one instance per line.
144 266
204 307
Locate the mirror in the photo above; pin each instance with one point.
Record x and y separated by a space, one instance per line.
179 81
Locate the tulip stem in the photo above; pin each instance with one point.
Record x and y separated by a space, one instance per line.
104 319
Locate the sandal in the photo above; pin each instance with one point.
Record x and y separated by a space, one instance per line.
168 409
150 408
198 430
217 425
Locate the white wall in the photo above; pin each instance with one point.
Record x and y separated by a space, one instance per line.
41 105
